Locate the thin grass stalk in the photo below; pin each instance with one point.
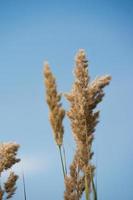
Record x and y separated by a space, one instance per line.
87 193
77 184
61 158
94 189
64 155
94 185
24 187
86 188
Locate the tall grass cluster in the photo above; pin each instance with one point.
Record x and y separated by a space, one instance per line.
83 98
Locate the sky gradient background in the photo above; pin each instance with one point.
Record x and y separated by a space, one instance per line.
34 31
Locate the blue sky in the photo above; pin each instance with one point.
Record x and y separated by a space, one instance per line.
34 31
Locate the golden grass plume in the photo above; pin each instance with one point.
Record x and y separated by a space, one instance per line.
84 98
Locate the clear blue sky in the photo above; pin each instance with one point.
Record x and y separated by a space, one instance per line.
34 31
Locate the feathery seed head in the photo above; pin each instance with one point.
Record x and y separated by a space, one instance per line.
10 185
83 98
8 152
57 113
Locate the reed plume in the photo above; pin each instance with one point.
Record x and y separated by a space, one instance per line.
8 153
84 98
57 113
10 185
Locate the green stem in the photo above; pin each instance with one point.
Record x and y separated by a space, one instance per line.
64 154
94 189
86 188
61 158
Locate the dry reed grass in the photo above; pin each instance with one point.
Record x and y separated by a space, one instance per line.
8 153
57 113
83 98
